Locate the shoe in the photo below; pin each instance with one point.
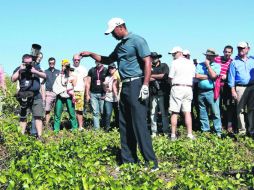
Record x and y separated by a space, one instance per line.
219 135
173 138
191 137
81 128
40 139
154 169
153 135
242 131
117 169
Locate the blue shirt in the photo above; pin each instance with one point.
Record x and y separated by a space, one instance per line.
201 69
241 72
129 54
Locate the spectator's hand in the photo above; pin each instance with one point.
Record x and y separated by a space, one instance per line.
118 97
22 66
33 70
207 62
87 98
234 95
224 77
144 92
44 103
85 54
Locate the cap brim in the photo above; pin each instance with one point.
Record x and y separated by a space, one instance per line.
108 31
158 56
241 47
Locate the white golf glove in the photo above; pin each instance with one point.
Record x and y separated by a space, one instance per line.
144 92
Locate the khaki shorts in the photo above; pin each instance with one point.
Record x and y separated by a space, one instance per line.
50 100
79 104
180 99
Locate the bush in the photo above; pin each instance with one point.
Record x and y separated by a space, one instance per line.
90 160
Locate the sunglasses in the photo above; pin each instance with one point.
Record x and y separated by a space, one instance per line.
28 62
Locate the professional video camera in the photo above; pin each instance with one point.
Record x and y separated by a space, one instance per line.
35 51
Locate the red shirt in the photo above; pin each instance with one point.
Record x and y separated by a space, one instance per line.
224 66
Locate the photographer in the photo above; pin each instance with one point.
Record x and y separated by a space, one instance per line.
63 87
158 83
29 95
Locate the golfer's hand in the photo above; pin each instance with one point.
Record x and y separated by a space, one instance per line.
144 92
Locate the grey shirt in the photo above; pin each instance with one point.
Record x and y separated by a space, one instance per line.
129 54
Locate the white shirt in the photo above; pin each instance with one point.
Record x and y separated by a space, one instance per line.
109 97
182 71
81 73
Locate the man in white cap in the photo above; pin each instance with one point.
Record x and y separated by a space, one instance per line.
181 73
207 72
241 81
132 55
79 89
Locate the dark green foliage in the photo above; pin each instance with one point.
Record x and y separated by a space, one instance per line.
89 160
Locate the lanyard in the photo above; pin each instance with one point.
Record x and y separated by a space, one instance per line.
98 72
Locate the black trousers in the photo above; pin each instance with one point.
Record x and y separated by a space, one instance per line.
133 124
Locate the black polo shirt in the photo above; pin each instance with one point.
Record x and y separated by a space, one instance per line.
51 75
96 87
162 69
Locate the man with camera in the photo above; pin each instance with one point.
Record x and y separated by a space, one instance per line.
63 87
29 95
158 88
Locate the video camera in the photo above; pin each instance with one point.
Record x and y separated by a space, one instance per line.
35 51
28 67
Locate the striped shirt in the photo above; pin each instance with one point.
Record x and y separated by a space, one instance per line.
224 66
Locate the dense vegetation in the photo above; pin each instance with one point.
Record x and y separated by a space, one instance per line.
90 160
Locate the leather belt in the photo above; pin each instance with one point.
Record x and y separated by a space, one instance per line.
244 85
186 85
204 90
130 79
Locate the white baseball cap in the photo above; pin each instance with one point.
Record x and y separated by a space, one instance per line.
176 49
242 45
112 23
186 52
